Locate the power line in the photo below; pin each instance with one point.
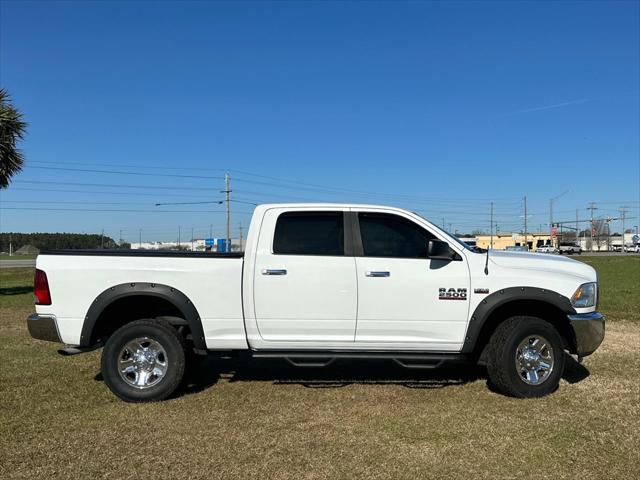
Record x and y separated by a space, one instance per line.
97 192
464 209
119 172
441 200
219 202
301 186
313 186
113 185
119 210
76 202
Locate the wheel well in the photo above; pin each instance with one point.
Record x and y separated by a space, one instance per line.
535 308
135 307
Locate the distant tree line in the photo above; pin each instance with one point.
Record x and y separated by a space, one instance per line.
51 241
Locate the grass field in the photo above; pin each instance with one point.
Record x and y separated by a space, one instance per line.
5 256
370 420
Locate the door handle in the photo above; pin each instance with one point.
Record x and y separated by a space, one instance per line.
270 271
378 274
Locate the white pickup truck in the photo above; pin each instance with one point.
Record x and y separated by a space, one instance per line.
319 282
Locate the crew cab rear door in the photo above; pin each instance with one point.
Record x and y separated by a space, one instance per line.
406 300
304 285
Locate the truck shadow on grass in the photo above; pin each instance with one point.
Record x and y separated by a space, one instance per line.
206 372
16 290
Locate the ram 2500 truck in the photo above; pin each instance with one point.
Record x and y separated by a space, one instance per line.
319 282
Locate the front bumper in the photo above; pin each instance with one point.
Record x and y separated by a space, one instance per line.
43 328
588 329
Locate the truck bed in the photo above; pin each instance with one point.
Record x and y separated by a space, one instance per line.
211 281
142 253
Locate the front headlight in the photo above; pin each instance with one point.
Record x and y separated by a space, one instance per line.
585 295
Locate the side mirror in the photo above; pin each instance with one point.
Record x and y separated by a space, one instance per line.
439 250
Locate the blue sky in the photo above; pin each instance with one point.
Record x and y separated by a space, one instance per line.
439 107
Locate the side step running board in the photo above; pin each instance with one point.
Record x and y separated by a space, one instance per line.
66 352
323 359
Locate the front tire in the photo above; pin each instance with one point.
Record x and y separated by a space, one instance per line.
144 361
525 357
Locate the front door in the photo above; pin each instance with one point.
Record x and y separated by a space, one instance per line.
403 296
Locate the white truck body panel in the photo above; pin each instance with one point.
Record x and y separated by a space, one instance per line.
525 269
323 302
213 285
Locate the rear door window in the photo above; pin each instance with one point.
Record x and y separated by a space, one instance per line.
309 233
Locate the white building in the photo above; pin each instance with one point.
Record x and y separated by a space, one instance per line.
195 246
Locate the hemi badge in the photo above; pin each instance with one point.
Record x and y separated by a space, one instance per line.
481 291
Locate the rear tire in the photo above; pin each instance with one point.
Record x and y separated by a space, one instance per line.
525 357
144 361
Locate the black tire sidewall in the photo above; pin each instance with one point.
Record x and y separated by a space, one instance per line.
505 357
173 346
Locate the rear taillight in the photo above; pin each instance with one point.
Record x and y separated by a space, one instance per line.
41 288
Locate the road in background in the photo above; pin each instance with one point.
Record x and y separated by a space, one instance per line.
22 263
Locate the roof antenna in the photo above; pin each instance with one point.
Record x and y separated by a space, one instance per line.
486 264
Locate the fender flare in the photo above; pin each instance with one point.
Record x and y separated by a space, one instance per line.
488 305
166 292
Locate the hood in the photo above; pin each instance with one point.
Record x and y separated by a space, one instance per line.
543 262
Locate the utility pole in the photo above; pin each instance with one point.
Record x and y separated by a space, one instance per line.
551 221
227 191
623 214
120 239
210 230
491 242
525 223
577 229
240 235
443 225
591 208
551 200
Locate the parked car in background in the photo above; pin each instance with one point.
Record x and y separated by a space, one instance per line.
546 249
632 248
569 248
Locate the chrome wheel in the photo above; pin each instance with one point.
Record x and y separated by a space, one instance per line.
534 359
142 363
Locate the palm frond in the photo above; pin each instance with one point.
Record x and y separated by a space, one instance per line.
12 130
